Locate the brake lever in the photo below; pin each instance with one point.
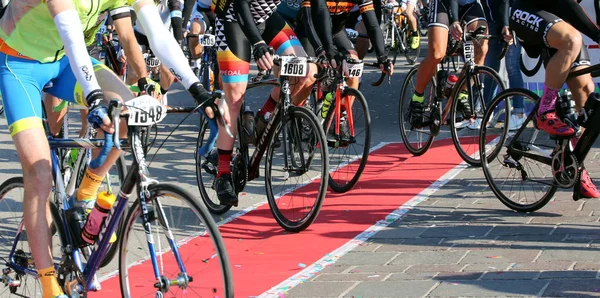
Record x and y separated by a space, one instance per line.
219 109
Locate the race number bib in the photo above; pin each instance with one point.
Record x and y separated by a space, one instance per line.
293 66
145 110
207 40
469 51
352 70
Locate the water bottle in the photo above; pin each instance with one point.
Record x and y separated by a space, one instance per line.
248 124
450 82
76 221
565 109
326 103
104 203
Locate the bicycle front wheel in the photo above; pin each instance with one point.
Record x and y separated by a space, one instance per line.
416 139
349 145
484 82
184 235
295 171
513 163
391 37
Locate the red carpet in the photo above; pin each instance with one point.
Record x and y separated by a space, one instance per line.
262 255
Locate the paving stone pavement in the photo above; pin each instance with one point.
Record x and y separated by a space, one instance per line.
462 242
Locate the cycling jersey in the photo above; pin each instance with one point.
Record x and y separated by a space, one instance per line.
23 20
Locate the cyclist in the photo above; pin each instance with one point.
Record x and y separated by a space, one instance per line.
237 31
130 46
354 21
415 40
339 12
444 16
171 16
29 60
202 18
555 26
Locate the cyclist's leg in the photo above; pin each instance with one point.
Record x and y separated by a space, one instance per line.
344 45
166 78
55 119
412 22
474 17
67 88
198 27
362 42
437 43
282 38
21 82
234 64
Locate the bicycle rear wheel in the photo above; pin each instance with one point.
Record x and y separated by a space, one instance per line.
17 283
206 173
185 224
466 140
303 159
348 149
416 140
520 182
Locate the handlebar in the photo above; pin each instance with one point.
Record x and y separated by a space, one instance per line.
218 106
110 140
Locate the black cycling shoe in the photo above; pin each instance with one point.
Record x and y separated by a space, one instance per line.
464 105
415 113
225 191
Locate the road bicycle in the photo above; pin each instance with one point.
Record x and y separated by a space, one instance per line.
172 270
396 33
418 137
295 154
208 61
525 168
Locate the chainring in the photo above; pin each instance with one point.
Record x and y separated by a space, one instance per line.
239 173
70 278
566 177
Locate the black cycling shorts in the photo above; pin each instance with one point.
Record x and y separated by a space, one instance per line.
340 40
531 22
439 13
352 19
142 40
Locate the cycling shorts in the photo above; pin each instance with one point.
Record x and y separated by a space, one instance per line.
439 13
353 19
22 81
532 23
203 15
234 49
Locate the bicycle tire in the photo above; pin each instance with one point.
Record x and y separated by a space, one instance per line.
391 51
307 118
56 227
453 111
359 99
212 231
208 202
401 114
487 171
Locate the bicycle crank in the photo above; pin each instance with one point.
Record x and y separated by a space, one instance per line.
71 279
565 167
239 172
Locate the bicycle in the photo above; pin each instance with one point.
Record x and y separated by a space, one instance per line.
423 20
395 29
208 62
344 114
112 50
154 202
529 155
300 139
436 92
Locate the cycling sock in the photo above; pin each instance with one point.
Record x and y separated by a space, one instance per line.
269 106
415 33
88 188
548 100
224 162
50 287
418 97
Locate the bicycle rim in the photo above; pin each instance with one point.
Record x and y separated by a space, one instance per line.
416 140
300 163
206 173
466 139
348 152
11 216
196 235
519 182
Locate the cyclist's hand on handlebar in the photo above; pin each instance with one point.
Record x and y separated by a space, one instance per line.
456 31
385 65
262 55
328 55
98 111
150 87
507 35
210 105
